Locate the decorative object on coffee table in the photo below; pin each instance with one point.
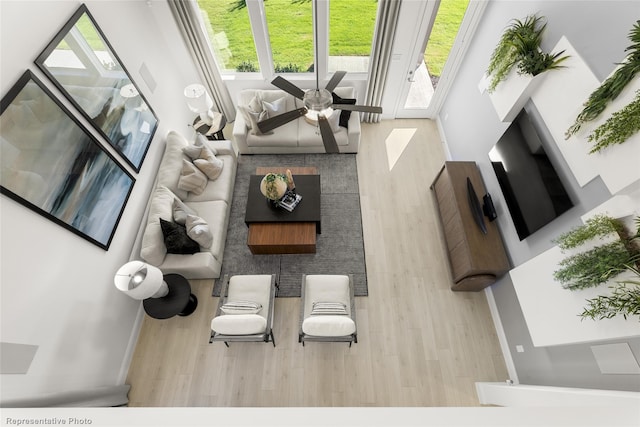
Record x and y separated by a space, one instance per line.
273 186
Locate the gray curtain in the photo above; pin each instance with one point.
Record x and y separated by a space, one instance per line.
187 15
388 11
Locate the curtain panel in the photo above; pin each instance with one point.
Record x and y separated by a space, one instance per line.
187 15
385 31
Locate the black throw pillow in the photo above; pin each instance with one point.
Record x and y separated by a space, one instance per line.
344 114
176 239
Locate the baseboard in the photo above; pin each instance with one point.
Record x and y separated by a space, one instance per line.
502 337
443 138
131 346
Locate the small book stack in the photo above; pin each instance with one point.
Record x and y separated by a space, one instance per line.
289 201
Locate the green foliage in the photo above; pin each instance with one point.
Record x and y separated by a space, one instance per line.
246 67
618 128
536 62
612 86
520 45
594 267
595 227
624 300
445 29
289 68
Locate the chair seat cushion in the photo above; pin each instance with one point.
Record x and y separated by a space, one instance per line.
239 324
328 326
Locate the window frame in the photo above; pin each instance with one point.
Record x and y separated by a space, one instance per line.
262 42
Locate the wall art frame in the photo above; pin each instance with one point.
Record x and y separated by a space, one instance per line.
50 163
85 68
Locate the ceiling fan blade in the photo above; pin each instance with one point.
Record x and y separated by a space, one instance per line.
281 119
329 141
363 108
288 87
335 80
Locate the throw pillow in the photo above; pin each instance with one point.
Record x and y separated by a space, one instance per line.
275 108
334 121
209 164
241 307
253 118
193 151
180 211
176 239
344 114
198 230
192 179
332 308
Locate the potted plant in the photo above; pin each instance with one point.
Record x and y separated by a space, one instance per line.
603 248
612 86
624 300
520 45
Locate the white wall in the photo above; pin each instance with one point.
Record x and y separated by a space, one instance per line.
57 289
598 31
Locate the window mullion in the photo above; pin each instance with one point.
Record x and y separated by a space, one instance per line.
260 31
322 56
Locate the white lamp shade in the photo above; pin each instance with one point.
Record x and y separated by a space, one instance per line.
150 286
198 99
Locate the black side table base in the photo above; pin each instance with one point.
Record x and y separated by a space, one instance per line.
191 306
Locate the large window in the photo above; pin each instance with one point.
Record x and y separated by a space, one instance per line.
351 25
230 33
277 36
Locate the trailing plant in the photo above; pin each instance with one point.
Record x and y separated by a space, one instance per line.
595 266
598 264
618 128
612 86
624 300
520 45
595 227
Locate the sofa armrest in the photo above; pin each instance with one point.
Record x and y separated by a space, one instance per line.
353 132
240 132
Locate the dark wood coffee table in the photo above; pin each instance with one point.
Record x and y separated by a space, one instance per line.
273 230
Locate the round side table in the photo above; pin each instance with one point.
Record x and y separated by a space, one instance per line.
179 301
213 131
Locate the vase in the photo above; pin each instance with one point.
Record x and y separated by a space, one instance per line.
273 186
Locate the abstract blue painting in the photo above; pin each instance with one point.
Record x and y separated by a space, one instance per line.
51 164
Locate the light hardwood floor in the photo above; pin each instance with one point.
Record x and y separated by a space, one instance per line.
419 344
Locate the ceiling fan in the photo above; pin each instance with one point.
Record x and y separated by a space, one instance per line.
318 104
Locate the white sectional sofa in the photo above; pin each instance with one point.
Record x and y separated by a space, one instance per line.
213 206
297 136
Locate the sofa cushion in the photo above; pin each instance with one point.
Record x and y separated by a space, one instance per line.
222 187
192 179
309 135
171 164
193 151
198 229
153 249
283 136
176 239
239 324
252 118
328 326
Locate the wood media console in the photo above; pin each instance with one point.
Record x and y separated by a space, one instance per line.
476 258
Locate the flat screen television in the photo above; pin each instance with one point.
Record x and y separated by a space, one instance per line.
532 189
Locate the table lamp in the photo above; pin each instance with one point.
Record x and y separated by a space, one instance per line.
199 102
140 281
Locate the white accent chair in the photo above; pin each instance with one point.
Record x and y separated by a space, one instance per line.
243 322
336 290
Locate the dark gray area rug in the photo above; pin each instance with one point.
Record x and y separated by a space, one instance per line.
340 247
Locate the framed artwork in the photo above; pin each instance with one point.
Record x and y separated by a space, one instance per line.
83 65
51 164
